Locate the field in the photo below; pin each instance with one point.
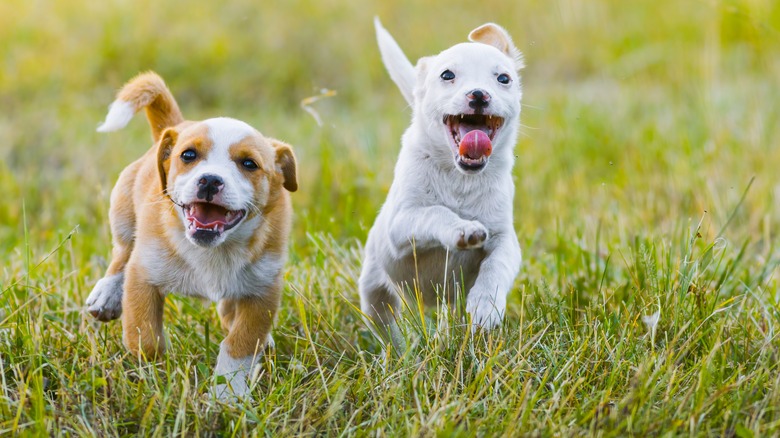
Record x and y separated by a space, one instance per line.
647 210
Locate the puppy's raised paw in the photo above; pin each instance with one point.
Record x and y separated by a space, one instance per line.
470 235
105 300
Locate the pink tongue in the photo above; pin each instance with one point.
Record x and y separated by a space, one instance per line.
475 144
208 214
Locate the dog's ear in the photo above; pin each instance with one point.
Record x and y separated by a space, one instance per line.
167 140
397 64
495 35
286 164
421 69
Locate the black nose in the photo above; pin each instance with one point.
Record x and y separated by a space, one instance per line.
478 99
208 186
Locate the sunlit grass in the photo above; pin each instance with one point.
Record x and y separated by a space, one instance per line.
646 184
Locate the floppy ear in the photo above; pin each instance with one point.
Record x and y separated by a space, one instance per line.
396 63
286 165
167 140
495 35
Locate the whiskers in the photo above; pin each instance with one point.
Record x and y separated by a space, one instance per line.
254 208
163 197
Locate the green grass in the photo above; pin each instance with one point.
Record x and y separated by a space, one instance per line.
646 182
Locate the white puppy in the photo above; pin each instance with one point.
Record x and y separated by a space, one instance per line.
447 222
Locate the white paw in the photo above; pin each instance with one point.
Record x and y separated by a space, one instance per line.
469 235
486 312
105 300
235 390
236 373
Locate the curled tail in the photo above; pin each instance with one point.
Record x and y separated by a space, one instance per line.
147 90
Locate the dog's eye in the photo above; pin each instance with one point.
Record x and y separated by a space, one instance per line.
504 78
249 164
189 156
447 75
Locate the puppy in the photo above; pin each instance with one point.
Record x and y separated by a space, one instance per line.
447 221
205 212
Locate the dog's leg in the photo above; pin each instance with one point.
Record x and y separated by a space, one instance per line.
426 227
105 300
486 301
142 315
249 321
227 313
380 304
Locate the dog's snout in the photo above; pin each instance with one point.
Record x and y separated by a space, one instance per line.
478 98
208 186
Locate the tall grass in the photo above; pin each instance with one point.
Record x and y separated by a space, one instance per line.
646 209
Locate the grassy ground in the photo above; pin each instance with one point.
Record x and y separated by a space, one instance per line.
646 185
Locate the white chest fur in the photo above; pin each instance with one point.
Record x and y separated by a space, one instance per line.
213 273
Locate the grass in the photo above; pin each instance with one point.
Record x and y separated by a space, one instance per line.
646 188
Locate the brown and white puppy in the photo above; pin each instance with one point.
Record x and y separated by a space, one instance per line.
205 212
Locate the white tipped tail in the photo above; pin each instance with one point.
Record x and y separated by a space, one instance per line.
119 115
397 64
145 91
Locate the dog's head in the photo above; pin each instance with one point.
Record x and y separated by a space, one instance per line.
222 173
466 98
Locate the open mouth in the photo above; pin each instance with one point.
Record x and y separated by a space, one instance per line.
209 220
472 136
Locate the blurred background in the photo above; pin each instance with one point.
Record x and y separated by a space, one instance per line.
639 117
643 124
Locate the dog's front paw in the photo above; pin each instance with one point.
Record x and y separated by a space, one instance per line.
470 235
233 374
105 300
486 312
234 391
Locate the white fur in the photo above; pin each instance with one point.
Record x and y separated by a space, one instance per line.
403 73
214 273
119 115
432 204
225 131
236 373
105 300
